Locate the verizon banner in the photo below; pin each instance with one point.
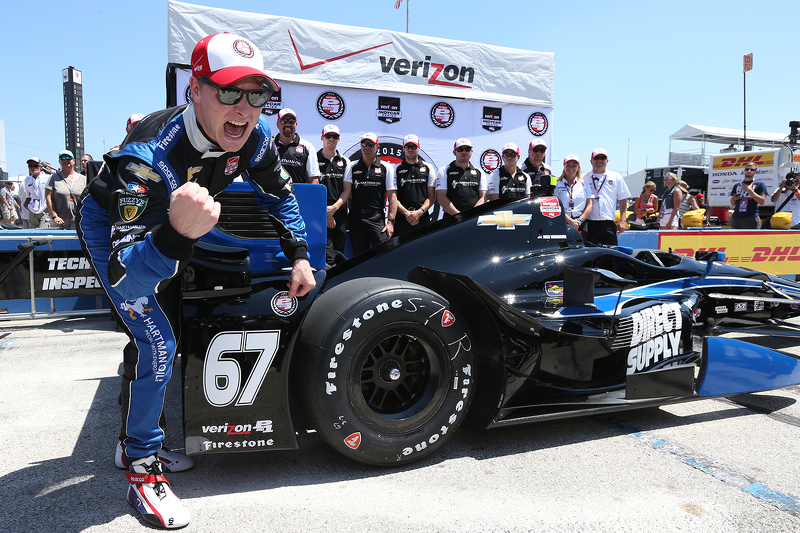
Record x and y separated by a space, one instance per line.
438 89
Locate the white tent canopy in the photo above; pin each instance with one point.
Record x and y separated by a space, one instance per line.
727 136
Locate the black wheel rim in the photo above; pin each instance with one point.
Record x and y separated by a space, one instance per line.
399 376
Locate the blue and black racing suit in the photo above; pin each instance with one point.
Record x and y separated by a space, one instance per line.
124 229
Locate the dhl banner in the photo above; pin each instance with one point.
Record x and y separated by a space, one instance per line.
726 170
775 252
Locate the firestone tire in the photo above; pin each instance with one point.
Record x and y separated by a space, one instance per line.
387 370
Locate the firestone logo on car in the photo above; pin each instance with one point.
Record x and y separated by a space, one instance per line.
353 441
432 71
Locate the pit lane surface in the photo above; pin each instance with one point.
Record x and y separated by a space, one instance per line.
710 466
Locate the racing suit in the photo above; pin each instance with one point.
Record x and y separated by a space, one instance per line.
139 265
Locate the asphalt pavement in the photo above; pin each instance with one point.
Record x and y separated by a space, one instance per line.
722 465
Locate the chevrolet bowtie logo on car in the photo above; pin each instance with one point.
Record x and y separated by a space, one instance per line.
504 220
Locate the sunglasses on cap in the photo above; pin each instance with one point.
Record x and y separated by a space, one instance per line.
600 157
464 149
509 155
64 158
540 149
410 146
230 95
329 135
367 144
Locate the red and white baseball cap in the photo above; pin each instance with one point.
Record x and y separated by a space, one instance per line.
572 157
411 139
133 119
599 151
369 136
537 142
330 128
225 58
462 142
286 111
511 147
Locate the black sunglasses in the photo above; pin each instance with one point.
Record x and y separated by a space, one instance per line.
509 154
367 144
288 121
749 170
230 95
411 146
331 135
599 158
464 149
539 149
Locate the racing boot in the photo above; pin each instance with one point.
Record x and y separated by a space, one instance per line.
150 493
171 461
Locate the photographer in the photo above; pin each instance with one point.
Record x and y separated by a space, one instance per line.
786 198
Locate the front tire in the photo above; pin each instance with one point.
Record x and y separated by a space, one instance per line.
386 370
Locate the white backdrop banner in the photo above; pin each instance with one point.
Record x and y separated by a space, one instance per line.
388 83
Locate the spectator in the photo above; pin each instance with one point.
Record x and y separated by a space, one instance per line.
367 182
332 166
786 198
298 156
646 203
670 202
85 158
688 202
63 190
34 191
132 120
701 200
508 180
8 204
607 189
459 185
745 199
535 167
571 191
416 187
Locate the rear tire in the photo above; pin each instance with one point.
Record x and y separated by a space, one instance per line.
386 370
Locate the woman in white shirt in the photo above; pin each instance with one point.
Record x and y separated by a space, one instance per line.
571 193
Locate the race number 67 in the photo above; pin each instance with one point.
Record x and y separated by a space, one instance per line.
222 376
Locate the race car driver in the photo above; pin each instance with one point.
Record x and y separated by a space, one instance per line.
155 198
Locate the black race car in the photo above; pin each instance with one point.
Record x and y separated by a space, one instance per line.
498 316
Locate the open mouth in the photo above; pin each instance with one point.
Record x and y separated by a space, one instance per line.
235 129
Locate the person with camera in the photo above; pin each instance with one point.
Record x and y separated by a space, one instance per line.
786 198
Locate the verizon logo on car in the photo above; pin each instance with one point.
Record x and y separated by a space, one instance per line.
433 71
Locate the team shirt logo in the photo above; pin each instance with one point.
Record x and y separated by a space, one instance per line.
131 207
144 172
136 187
243 48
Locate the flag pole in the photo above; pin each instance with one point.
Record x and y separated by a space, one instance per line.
407 10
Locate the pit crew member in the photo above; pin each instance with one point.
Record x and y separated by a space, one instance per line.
508 181
416 187
459 185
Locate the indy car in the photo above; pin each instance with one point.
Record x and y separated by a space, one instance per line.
498 316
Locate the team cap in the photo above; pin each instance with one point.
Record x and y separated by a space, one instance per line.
572 157
462 142
369 136
599 151
511 147
133 119
286 112
537 142
330 128
225 58
34 161
66 152
411 139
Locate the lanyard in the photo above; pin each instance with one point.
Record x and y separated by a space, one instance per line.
596 190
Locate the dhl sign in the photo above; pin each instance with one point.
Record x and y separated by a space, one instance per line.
775 252
766 159
796 158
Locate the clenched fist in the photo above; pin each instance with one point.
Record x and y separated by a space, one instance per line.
192 211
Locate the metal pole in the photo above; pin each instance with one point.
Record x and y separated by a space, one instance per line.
407 9
745 109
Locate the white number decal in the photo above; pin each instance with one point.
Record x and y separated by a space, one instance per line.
222 376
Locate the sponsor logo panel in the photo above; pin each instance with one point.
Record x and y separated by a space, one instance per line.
492 118
442 115
389 109
537 124
761 250
490 160
330 105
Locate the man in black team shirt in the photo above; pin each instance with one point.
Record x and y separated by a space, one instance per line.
369 180
298 156
539 171
416 185
460 185
332 166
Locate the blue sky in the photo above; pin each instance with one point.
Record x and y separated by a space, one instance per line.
626 73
